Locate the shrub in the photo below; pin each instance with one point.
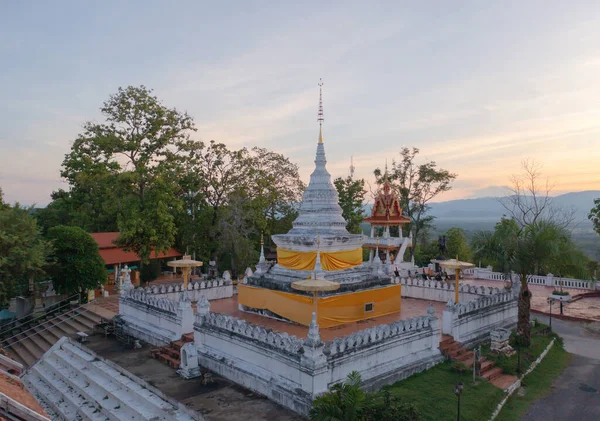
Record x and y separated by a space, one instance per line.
459 367
557 292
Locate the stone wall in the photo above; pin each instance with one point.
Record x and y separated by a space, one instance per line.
433 290
212 289
548 280
292 372
472 322
386 353
157 321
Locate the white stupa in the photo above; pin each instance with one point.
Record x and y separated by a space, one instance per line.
319 226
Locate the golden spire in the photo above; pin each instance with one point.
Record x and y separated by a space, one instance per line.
262 239
386 175
320 118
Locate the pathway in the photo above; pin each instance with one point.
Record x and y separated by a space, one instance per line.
576 392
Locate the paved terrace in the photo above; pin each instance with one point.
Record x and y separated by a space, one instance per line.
584 308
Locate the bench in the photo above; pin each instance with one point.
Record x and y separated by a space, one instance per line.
82 336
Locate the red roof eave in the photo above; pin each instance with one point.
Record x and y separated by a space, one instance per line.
114 256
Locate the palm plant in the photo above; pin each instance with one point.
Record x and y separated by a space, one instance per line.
347 402
343 402
524 250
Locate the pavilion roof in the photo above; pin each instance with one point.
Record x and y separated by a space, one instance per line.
112 254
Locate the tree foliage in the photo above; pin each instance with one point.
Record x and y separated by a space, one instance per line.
76 264
531 249
351 195
457 245
532 235
23 251
594 215
125 167
416 185
347 402
139 173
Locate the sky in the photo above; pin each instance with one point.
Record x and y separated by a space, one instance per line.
477 86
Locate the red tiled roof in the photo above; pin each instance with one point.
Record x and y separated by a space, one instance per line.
12 387
113 255
116 255
105 239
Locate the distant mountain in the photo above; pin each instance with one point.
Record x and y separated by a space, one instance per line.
489 209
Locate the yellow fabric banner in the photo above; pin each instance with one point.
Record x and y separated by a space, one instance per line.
305 260
333 310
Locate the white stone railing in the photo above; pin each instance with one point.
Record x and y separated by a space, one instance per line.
140 297
378 334
428 289
390 241
472 321
275 340
212 289
479 303
155 320
549 280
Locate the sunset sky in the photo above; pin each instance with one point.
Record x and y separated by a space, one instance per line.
477 86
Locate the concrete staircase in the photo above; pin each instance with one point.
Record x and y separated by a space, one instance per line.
456 352
28 346
76 385
171 354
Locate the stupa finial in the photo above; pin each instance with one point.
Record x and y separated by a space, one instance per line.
320 118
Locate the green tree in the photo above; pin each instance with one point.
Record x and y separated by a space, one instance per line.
23 251
351 194
76 264
457 245
232 196
594 215
426 251
128 165
524 250
416 185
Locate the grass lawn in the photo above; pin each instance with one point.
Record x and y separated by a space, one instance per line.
537 384
432 392
528 355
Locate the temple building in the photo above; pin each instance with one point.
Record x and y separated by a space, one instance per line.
319 247
387 213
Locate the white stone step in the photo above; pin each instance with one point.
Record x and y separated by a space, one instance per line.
50 399
110 381
82 409
143 394
91 391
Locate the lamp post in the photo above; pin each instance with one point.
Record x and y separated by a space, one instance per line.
550 301
458 388
518 344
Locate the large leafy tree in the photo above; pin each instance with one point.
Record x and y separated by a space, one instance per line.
126 168
351 195
416 184
232 196
23 251
457 245
76 264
